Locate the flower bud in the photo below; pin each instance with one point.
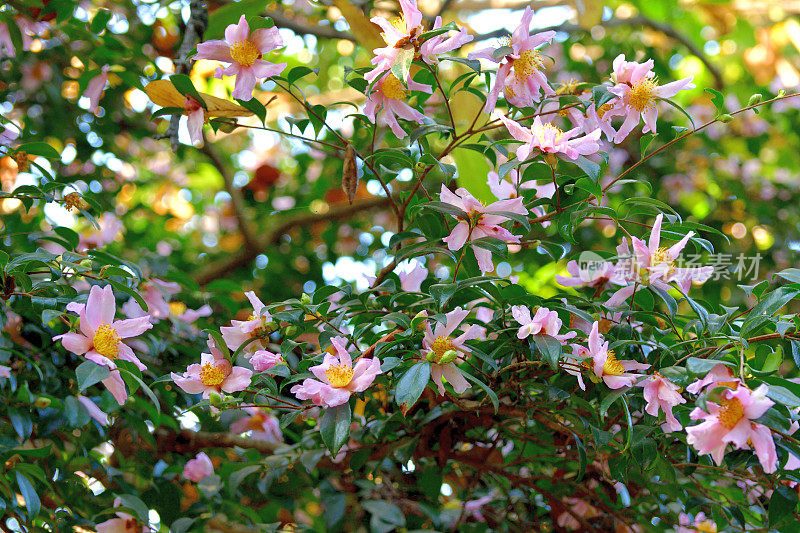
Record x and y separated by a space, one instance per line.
290 331
431 357
781 93
755 99
419 168
270 326
448 357
551 160
305 299
725 118
215 399
42 402
419 321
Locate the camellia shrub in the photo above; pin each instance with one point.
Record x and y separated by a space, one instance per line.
281 267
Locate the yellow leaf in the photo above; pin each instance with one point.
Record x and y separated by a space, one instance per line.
366 33
163 93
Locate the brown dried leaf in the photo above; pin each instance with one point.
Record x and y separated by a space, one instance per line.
163 93
350 173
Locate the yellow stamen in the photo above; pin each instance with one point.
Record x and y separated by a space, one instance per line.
339 376
245 52
400 24
706 526
441 345
612 366
603 109
392 88
106 341
528 64
177 308
730 412
212 375
568 87
542 133
643 94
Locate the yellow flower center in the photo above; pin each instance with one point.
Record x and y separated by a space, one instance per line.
661 256
106 341
603 109
529 62
568 87
339 375
392 88
177 308
442 345
612 366
212 375
400 24
643 94
542 133
244 52
730 412
706 526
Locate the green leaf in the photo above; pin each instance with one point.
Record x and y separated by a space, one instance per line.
645 141
21 421
335 427
488 390
783 396
256 107
100 21
411 384
88 373
184 85
549 349
132 502
385 516
601 95
679 108
300 72
40 148
402 64
717 99
26 488
591 168
609 399
782 504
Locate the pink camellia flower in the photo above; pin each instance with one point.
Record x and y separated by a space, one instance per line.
731 421
198 468
29 29
5 371
401 36
100 336
512 188
110 228
445 352
700 523
155 293
603 363
655 265
255 327
521 74
94 411
661 393
261 424
213 374
195 118
482 221
544 322
7 136
411 280
388 95
718 375
243 50
263 360
549 139
337 377
94 90
124 523
637 87
597 274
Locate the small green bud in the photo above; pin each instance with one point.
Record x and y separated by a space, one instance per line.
290 331
781 93
419 321
448 357
215 399
305 299
756 98
725 118
431 357
42 402
419 168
